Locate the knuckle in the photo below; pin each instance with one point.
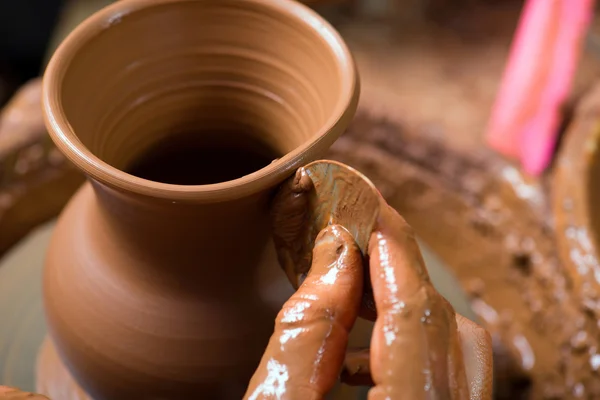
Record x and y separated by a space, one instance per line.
303 310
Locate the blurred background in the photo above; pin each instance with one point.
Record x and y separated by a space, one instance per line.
29 31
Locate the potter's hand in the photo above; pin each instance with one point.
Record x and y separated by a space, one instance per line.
306 352
420 349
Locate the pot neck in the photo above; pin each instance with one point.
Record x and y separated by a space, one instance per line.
201 239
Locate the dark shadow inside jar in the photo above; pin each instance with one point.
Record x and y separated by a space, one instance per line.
202 158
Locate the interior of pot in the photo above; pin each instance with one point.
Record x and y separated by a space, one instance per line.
237 83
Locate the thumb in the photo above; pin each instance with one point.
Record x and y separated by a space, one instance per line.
305 354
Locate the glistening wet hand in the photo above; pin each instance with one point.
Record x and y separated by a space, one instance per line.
305 354
420 349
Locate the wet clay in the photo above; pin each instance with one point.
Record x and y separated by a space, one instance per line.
418 349
306 350
320 194
143 294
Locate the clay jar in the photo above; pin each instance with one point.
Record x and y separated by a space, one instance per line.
184 115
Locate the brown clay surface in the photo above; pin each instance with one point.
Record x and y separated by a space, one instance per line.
150 287
266 71
306 350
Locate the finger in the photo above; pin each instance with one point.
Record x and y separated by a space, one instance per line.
356 370
470 359
471 363
476 344
411 337
397 268
305 354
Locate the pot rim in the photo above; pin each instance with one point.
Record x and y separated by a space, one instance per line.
67 141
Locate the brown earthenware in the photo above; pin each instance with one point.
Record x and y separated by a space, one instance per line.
184 115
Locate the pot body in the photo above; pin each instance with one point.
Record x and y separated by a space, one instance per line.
159 308
200 109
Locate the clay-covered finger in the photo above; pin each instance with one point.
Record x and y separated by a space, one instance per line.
305 354
476 344
471 362
412 337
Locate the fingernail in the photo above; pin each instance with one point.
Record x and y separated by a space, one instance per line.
329 247
302 182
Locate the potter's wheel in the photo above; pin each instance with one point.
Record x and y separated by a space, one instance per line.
23 327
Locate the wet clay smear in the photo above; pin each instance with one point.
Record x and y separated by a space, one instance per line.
491 226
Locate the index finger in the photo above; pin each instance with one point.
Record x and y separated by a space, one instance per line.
397 267
305 354
413 335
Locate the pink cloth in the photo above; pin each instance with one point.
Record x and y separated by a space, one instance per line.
537 80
